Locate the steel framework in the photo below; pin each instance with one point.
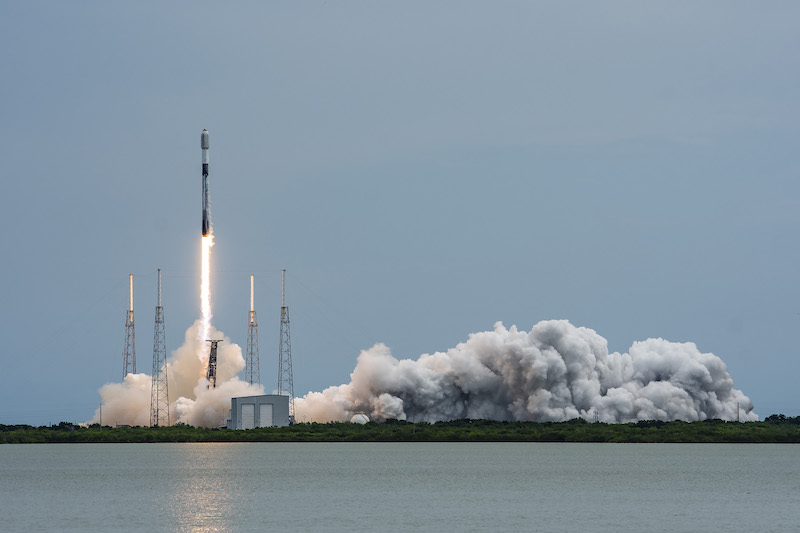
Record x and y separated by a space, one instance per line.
252 370
211 374
129 351
285 379
159 394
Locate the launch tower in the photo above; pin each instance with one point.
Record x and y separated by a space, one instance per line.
285 380
211 375
129 352
159 396
252 371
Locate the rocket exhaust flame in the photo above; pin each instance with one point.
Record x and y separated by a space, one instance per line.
205 292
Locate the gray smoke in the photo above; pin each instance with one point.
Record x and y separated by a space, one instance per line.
554 372
191 402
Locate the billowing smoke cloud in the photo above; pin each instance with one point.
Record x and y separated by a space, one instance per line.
191 402
554 372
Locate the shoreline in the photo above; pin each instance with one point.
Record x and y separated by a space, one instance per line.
775 429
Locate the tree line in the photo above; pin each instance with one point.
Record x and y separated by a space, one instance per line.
774 429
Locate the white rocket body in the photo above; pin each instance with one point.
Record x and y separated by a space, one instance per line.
206 214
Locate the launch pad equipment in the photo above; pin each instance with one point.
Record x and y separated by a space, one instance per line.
285 378
211 375
129 351
252 370
159 393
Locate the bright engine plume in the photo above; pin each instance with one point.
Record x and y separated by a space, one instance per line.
205 290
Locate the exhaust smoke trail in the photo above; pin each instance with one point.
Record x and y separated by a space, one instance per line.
555 372
191 402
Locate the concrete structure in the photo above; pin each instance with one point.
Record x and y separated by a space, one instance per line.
249 412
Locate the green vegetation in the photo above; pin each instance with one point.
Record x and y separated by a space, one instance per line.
776 428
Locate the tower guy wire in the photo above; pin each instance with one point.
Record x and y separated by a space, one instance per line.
285 379
129 351
159 394
252 371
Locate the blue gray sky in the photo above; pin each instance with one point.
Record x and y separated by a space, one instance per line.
421 169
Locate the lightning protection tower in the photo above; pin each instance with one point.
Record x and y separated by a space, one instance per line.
285 379
129 352
159 396
252 371
211 374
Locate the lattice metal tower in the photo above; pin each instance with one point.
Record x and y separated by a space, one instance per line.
285 379
159 395
211 374
252 370
129 352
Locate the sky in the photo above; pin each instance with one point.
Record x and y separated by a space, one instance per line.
422 170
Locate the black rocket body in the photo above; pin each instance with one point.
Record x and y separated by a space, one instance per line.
206 214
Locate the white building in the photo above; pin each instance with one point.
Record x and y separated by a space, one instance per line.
248 412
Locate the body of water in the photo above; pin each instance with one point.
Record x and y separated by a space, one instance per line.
400 487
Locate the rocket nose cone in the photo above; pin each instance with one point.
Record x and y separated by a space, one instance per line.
204 140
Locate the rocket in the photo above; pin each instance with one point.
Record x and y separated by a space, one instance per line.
206 216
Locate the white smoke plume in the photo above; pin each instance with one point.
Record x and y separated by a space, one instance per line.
191 402
555 372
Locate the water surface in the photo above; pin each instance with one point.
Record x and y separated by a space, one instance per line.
400 487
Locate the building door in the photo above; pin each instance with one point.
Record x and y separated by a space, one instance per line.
265 415
248 416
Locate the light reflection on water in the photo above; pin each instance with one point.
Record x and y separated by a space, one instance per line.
399 487
205 491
